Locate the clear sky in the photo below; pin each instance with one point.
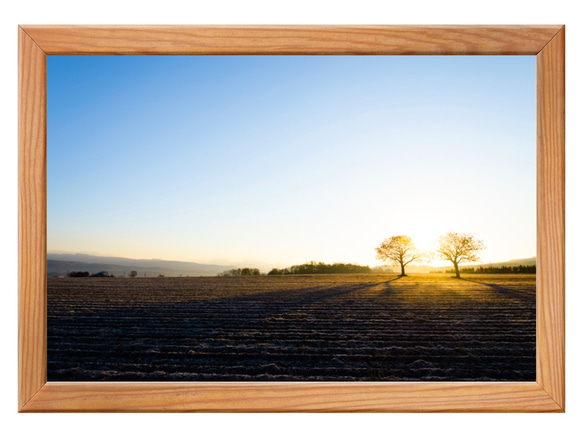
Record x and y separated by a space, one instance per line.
287 159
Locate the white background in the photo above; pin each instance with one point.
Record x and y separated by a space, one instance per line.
286 12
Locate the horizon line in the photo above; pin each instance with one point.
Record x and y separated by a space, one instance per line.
233 262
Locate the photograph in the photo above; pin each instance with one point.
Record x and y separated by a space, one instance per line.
291 218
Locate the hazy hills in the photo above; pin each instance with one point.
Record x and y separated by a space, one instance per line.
513 262
61 264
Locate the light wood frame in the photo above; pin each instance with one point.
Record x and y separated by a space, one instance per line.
547 43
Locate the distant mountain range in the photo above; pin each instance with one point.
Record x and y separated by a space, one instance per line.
513 262
61 264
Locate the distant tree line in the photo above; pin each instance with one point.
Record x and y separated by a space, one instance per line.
86 275
246 271
321 268
500 269
78 274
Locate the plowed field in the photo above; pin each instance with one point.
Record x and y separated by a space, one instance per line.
293 328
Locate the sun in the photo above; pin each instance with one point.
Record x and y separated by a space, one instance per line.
425 235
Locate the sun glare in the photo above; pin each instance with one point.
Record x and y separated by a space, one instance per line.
425 235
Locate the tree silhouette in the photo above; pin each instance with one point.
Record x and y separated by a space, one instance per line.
314 267
459 248
400 250
246 271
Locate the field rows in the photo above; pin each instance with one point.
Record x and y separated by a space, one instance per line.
320 327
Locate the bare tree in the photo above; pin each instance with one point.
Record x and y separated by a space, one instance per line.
459 248
400 250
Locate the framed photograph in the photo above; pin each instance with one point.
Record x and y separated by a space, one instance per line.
291 218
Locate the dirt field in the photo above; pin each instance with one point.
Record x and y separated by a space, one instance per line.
286 328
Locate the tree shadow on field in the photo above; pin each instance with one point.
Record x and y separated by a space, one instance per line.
287 300
389 290
293 330
507 292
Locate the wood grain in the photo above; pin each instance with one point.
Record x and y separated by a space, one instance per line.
551 218
32 218
35 394
292 40
324 397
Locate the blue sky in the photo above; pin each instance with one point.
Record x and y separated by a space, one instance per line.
287 159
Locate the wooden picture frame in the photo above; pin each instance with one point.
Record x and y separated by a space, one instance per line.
547 394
